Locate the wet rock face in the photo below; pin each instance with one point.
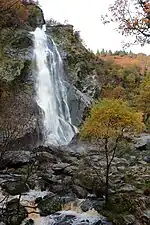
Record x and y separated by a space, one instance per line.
17 76
36 16
79 63
78 103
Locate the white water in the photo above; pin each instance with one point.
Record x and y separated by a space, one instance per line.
51 91
73 209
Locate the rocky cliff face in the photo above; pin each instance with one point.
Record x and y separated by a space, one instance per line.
18 112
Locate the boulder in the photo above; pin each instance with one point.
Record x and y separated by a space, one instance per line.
49 205
127 188
79 191
142 142
86 205
129 219
147 159
29 222
146 217
15 187
16 158
15 213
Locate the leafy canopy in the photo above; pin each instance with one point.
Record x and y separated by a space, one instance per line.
133 18
143 99
13 12
110 118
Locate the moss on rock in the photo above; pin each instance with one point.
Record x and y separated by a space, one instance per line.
10 69
49 205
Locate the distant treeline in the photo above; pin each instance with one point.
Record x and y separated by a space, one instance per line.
104 52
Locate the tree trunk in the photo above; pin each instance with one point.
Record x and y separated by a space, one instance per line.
107 172
107 185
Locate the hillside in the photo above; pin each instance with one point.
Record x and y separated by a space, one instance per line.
141 60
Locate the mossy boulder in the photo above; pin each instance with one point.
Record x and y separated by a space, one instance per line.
49 205
15 187
15 213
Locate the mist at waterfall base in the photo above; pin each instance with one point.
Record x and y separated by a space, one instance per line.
51 93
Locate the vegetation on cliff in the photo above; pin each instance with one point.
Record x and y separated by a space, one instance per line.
14 12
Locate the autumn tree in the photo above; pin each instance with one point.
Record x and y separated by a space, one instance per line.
143 98
107 123
133 18
14 12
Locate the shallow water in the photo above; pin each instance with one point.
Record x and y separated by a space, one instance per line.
70 215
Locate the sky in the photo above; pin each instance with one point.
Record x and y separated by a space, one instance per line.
85 16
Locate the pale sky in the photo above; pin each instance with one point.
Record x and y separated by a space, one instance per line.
85 16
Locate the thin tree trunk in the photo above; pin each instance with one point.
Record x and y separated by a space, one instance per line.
107 172
107 185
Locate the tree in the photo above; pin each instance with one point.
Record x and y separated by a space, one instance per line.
133 17
14 12
98 52
143 98
110 52
107 123
103 52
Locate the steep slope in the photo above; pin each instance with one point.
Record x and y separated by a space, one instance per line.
19 113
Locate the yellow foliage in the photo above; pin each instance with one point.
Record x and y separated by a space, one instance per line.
110 118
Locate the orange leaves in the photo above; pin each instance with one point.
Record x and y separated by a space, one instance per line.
109 118
12 12
132 17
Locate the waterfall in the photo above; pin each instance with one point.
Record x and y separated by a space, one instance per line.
51 95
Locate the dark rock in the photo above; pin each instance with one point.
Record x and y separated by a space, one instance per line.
129 219
67 197
79 191
147 192
37 200
15 187
86 205
147 159
97 204
16 158
142 142
78 104
146 217
15 213
44 157
60 166
49 205
29 222
36 16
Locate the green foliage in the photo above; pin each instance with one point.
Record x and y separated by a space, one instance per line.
104 52
109 118
143 97
119 206
124 148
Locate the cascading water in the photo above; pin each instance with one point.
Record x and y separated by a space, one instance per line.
51 91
